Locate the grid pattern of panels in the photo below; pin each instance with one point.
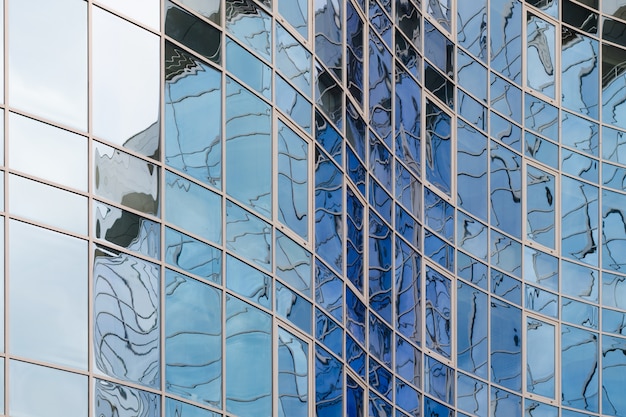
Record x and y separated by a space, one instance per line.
244 208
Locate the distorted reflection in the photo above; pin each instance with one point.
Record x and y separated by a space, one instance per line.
540 59
293 376
113 400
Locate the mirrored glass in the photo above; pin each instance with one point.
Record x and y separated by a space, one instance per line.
211 9
542 150
439 380
293 264
441 11
506 190
380 22
355 316
541 117
438 250
472 236
329 333
354 53
540 55
581 134
579 74
294 104
293 307
250 25
328 95
328 137
472 395
541 301
328 384
113 400
380 268
471 156
613 290
193 116
580 314
145 11
505 404
59 393
408 121
354 239
380 73
408 55
408 20
193 339
472 110
613 85
408 227
505 28
59 92
506 287
380 200
193 256
248 68
580 166
408 362
354 399
579 281
614 322
380 379
355 356
126 179
613 365
125 100
432 407
48 296
505 131
506 346
471 270
292 59
472 76
62 209
175 408
248 236
438 84
297 14
541 268
126 323
193 32
193 208
580 17
472 27
579 368
408 290
407 398
579 221
614 177
613 30
380 340
329 291
45 151
540 206
293 375
329 33
328 211
506 98
438 148
471 331
506 253
540 361
437 315
249 282
613 230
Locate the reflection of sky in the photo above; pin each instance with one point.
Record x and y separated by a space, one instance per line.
145 11
540 60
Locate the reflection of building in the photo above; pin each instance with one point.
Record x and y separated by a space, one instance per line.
331 208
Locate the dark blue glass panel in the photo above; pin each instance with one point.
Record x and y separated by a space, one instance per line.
380 22
471 330
193 256
355 130
506 345
193 32
380 72
328 291
193 117
355 316
354 239
439 215
438 148
408 20
408 362
438 296
328 385
408 227
328 332
355 356
380 379
506 190
506 38
408 312
328 95
327 136
354 399
433 408
380 271
380 200
378 406
380 340
408 398
380 162
328 211
408 121
356 171
408 55
193 339
438 84
439 380
438 250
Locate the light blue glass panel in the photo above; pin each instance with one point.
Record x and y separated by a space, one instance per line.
408 362
193 208
407 398
408 190
472 110
58 92
613 375
248 282
506 345
613 85
248 149
59 393
438 148
579 368
48 296
441 11
541 150
579 73
472 169
505 131
293 307
541 268
614 177
250 25
505 404
193 256
293 264
614 322
472 236
294 104
471 270
580 166
328 211
505 27
408 317
537 409
580 314
126 82
127 230
292 59
48 152
328 291
541 117
248 236
328 385
46 204
293 376
506 287
540 360
297 14
472 76
506 253
248 68
193 339
329 33
145 11
540 206
579 281
540 55
613 291
579 221
126 311
472 395
472 27
471 330
541 301
248 359
506 190
193 116
126 179
293 180
437 316
175 408
613 230
439 380
583 135
614 145
113 400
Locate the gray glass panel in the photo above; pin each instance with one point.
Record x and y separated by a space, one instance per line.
248 236
59 393
193 32
540 55
46 204
48 66
125 99
540 360
293 376
211 9
126 179
248 359
193 339
127 230
193 256
250 25
48 296
47 152
579 368
193 208
193 116
248 148
471 330
113 400
126 315
145 11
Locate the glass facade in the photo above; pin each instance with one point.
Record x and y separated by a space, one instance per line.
293 208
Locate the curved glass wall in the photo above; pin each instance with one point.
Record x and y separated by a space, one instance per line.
250 208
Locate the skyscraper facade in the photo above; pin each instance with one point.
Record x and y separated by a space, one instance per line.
290 208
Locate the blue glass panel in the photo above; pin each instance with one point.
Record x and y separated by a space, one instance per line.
380 22
582 135
380 379
248 148
506 253
248 236
193 208
250 25
293 60
327 136
407 53
408 227
441 11
438 148
506 190
537 409
439 380
472 110
614 177
579 281
580 314
439 215
126 317
408 312
378 406
248 359
614 322
579 73
438 250
613 230
354 399
328 291
356 171
613 291
579 221
541 117
248 282
380 162
471 330
113 400
328 332
613 84
293 308
175 408
355 316
297 14
193 256
354 239
505 131
292 103
328 385
471 170
471 270
542 150
293 378
355 130
579 368
408 362
193 339
380 340
433 408
407 398
540 206
328 211
472 236
541 301
193 117
505 404
380 72
613 375
293 180
293 264
438 49
472 395
472 27
613 145
248 68
380 270
506 98
540 357
437 318
328 95
540 55
380 200
408 121
580 166
329 33
408 190
506 287
354 53
355 356
438 84
472 76
506 345
506 38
